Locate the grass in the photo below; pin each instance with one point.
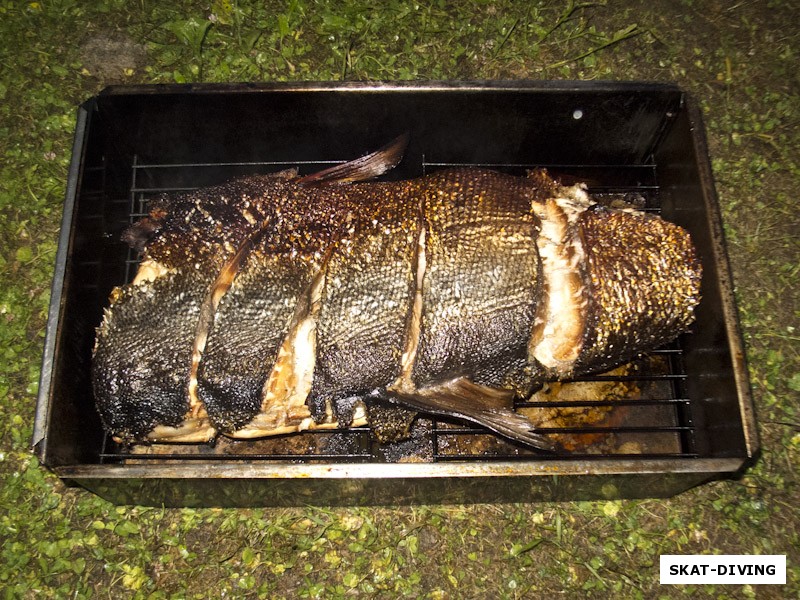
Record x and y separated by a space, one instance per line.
738 59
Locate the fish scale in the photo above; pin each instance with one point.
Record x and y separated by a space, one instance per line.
142 352
368 291
482 277
250 323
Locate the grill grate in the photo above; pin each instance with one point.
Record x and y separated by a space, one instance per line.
640 412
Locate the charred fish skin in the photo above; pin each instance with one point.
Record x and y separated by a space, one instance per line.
482 278
200 228
369 287
139 372
249 326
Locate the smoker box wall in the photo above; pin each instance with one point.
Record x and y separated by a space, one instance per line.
216 132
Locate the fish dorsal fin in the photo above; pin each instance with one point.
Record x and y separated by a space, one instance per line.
486 406
365 168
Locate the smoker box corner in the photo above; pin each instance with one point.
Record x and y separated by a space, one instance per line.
640 139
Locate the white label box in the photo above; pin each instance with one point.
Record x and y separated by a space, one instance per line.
723 568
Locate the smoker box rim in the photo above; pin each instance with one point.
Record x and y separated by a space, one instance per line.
469 85
446 469
725 277
374 470
55 309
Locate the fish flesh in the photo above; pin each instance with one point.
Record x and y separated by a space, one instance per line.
278 303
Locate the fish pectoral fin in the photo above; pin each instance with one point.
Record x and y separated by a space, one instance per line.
365 168
485 406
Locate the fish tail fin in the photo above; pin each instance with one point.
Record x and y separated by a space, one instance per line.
485 406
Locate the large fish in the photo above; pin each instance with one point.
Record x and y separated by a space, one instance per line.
275 304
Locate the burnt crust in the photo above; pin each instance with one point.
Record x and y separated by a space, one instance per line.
142 353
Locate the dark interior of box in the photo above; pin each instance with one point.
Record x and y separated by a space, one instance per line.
630 143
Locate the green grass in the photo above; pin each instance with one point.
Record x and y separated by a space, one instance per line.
738 59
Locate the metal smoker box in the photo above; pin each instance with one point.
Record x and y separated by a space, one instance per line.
689 420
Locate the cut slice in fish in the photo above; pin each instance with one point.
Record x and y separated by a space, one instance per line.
210 304
558 334
284 393
477 277
365 302
251 324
